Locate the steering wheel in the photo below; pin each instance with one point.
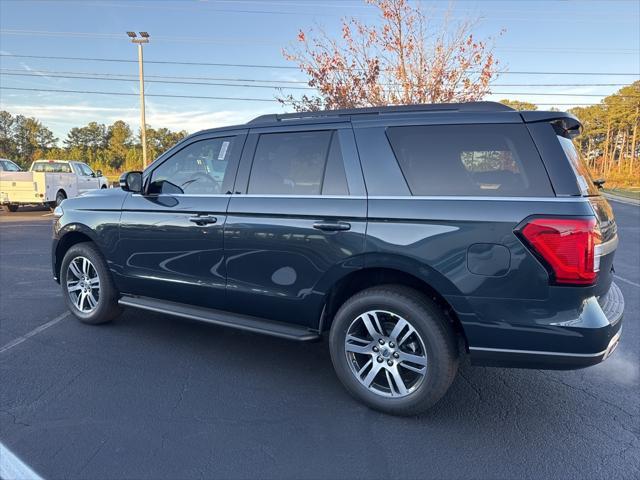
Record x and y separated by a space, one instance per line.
193 185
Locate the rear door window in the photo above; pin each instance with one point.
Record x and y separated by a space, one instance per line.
469 160
298 163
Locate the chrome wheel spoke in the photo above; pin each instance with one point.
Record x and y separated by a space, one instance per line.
364 367
372 324
80 301
91 300
420 370
357 345
400 388
371 375
416 359
400 326
85 266
73 268
74 286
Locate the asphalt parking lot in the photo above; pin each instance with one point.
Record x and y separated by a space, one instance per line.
150 396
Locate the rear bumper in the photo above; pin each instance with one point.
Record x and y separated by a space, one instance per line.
589 339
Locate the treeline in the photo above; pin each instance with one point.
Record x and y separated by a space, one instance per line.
609 141
111 148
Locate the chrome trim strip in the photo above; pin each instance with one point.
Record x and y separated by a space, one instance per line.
323 197
492 199
607 247
536 352
385 197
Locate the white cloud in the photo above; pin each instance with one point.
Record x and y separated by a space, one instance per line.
60 118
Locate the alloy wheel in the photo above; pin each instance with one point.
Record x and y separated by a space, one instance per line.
83 284
386 353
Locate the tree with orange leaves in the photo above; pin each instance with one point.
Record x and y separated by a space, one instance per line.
403 60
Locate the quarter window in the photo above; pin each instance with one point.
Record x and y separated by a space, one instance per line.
469 160
199 168
298 163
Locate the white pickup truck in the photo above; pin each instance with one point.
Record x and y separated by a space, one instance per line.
48 182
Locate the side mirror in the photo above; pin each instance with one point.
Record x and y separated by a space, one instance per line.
131 182
98 173
599 182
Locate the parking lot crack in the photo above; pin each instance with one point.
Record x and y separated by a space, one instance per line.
15 419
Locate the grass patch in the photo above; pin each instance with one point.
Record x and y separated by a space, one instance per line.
631 192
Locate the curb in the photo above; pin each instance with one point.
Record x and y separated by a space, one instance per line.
621 199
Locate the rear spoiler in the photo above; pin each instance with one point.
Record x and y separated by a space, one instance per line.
564 124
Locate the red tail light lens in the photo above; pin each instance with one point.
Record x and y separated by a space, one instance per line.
567 246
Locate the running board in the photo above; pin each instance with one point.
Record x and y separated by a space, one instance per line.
219 317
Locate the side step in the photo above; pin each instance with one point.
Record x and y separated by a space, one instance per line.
219 317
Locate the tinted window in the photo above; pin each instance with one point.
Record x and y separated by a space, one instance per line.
198 168
52 167
291 163
472 160
585 182
335 179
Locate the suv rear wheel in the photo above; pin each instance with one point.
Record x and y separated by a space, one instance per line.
87 285
393 349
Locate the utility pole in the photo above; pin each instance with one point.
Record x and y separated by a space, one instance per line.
144 38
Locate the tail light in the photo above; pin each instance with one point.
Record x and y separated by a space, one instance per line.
566 246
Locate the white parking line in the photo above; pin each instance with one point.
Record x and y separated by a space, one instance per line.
12 468
618 277
33 332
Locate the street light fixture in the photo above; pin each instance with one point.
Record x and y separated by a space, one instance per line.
144 38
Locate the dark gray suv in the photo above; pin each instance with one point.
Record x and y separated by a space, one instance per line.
414 236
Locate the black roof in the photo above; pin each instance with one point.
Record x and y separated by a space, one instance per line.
432 107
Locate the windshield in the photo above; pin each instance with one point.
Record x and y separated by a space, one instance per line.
585 181
8 166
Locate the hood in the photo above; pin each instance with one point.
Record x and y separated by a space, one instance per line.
99 199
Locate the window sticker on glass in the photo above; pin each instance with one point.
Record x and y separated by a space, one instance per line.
223 150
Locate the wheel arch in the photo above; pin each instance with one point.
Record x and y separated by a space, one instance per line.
383 272
68 237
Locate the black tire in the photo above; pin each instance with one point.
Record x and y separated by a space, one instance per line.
107 307
60 196
11 208
434 330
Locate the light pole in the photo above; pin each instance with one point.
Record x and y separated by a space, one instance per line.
144 38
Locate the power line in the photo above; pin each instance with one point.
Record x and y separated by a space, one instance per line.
178 82
268 42
99 92
277 87
285 67
304 82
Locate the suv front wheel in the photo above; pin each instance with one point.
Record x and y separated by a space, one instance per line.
87 285
393 349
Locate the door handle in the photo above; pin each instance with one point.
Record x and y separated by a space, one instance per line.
203 219
332 226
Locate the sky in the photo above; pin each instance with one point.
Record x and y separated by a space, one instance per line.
571 37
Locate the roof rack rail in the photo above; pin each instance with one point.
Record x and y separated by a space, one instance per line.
430 107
